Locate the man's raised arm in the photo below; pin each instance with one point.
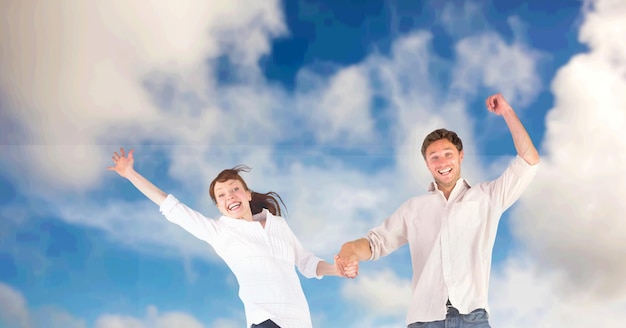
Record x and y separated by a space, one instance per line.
523 144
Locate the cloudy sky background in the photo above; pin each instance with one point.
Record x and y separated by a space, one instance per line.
328 102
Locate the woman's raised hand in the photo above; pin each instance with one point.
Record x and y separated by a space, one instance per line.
123 163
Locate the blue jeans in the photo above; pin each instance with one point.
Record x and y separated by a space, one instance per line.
475 319
265 324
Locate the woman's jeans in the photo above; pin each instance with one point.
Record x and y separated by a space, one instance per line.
475 319
265 324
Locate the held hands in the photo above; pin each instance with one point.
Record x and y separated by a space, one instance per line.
497 104
123 163
347 260
346 268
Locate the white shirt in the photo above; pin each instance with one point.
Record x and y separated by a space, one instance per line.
451 241
262 259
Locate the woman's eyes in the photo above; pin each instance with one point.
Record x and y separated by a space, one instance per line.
223 194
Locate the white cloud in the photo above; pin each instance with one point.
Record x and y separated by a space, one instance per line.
572 218
73 72
487 59
118 321
525 294
13 308
380 293
339 107
404 79
337 203
603 25
461 20
15 313
53 317
153 319
224 323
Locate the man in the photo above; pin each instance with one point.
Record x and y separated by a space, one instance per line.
452 229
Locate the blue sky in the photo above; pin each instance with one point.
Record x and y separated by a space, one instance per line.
328 102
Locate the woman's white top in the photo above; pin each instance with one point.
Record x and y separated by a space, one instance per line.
263 259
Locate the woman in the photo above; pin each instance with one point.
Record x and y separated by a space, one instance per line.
251 237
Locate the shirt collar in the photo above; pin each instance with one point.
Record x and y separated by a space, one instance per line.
263 215
432 187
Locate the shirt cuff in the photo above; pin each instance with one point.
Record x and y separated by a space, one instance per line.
520 166
168 204
315 272
372 257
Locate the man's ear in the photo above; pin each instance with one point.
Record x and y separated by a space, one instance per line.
461 156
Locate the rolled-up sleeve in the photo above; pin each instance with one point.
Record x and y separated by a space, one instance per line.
388 236
192 221
507 188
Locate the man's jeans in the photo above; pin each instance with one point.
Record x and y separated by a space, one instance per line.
475 319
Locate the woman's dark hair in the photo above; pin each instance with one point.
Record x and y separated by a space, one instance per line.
259 201
441 134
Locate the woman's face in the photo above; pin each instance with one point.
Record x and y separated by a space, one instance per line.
232 199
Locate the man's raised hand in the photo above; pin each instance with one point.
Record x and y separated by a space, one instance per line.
497 104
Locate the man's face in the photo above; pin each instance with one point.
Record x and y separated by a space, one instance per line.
233 200
444 163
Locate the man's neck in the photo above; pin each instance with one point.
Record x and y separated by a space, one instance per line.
446 193
447 190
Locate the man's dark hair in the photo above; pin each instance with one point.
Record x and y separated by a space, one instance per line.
441 134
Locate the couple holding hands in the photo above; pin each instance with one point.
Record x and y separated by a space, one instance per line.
450 232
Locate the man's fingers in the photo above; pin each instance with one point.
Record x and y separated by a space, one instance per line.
348 267
351 270
350 273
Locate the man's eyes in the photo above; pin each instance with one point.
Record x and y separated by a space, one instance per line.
447 155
